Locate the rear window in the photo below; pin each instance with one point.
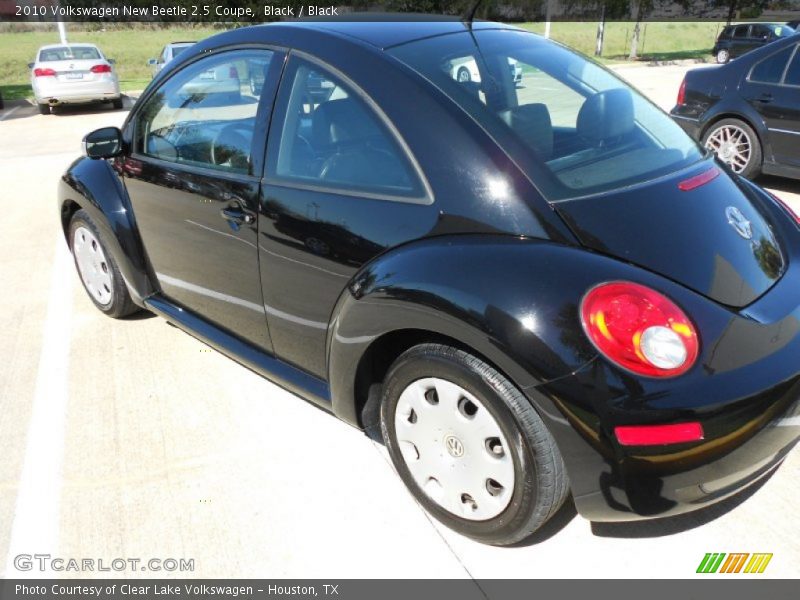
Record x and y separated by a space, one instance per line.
69 53
573 126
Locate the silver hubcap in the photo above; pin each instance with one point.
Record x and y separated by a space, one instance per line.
93 267
454 449
732 145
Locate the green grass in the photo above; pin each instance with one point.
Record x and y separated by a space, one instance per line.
658 41
132 48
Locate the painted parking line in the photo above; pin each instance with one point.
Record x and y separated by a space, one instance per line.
36 518
9 112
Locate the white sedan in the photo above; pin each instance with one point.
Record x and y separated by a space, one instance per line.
73 74
466 69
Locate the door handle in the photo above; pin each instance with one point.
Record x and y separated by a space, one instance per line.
237 215
764 98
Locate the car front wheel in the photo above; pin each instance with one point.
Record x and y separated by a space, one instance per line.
463 75
723 56
736 144
469 446
97 268
44 109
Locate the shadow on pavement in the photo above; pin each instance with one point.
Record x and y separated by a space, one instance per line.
649 528
782 184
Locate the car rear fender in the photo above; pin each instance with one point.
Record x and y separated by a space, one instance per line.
512 300
94 186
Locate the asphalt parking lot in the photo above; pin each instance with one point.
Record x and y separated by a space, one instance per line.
130 439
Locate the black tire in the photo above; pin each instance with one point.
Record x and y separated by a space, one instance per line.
117 104
753 166
121 304
44 109
540 477
463 75
723 56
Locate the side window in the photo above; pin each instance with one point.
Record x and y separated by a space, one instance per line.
793 73
770 70
761 32
205 115
741 32
332 137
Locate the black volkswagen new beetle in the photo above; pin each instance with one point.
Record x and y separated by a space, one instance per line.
534 288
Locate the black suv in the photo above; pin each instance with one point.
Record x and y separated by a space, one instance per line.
735 40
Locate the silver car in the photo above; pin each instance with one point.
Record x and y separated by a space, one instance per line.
169 52
73 74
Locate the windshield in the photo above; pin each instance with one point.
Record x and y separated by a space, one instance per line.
573 126
69 53
178 49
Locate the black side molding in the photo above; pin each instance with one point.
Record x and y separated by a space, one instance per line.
283 374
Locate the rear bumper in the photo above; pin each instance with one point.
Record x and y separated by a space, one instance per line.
746 437
77 93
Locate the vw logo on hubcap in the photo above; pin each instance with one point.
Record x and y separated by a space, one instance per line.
739 222
454 446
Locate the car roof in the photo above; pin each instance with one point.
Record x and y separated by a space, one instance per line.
181 43
387 30
74 45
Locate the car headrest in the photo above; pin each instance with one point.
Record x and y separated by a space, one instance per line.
341 120
606 115
531 122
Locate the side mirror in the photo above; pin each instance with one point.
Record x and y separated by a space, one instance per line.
151 61
30 65
112 61
103 143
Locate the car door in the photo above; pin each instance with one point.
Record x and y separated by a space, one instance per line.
778 102
340 187
760 35
740 41
193 177
785 126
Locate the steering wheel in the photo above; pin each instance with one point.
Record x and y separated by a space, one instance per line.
231 146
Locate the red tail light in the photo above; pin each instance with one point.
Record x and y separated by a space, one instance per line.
786 206
44 73
695 182
659 435
101 69
639 329
233 73
682 93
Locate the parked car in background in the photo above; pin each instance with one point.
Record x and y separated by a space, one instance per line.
169 52
73 74
465 69
519 305
737 40
748 111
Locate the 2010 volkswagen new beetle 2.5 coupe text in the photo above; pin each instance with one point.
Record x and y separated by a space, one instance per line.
535 287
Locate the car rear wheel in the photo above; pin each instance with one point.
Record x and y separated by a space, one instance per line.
469 446
44 109
723 56
97 268
117 104
736 144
